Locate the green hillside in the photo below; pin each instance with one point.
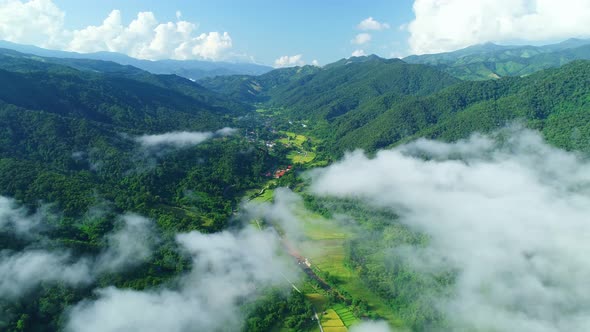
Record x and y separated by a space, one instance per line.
548 101
68 150
329 92
490 61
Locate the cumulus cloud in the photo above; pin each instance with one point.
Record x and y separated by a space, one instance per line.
508 212
228 268
361 38
371 24
358 53
130 246
41 22
37 22
315 63
441 26
181 139
289 61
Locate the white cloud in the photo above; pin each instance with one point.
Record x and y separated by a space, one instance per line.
315 63
358 53
509 214
36 22
181 139
371 24
176 139
361 38
227 269
41 22
289 61
452 24
14 219
22 271
129 246
283 212
376 326
226 131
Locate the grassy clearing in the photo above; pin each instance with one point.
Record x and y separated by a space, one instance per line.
301 157
266 196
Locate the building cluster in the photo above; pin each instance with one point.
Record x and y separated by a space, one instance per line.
279 172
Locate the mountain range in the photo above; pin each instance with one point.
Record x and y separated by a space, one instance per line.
489 61
73 149
191 69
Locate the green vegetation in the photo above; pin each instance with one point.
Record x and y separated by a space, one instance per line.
553 101
345 314
490 61
290 313
68 146
331 322
353 260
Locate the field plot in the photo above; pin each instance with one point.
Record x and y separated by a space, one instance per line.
331 322
293 139
301 157
345 314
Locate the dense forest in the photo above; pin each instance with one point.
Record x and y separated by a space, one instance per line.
69 147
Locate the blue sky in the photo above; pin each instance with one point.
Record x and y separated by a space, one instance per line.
286 33
267 29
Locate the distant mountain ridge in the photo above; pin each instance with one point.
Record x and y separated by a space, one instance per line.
335 89
191 69
491 61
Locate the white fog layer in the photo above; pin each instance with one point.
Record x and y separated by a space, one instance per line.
181 139
22 271
227 268
511 217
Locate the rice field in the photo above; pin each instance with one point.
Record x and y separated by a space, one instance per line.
292 138
331 322
345 314
301 157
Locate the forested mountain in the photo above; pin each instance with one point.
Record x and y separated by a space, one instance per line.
554 101
491 61
257 88
372 103
72 145
328 92
191 69
51 111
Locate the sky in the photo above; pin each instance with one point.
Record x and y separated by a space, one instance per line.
286 33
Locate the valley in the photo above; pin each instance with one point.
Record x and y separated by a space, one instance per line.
255 211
